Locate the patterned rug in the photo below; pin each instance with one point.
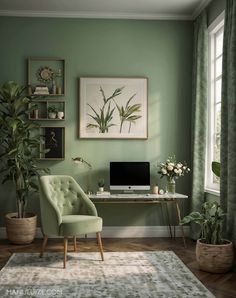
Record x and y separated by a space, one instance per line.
121 275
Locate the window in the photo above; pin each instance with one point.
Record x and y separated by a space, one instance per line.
216 31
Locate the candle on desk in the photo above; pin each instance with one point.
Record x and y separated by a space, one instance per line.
155 189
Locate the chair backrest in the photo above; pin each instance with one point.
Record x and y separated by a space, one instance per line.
61 195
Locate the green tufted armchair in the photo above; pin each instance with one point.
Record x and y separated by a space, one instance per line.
67 211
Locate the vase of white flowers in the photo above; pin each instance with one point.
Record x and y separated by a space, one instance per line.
172 170
170 187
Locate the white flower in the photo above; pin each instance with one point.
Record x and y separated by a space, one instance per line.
164 172
172 169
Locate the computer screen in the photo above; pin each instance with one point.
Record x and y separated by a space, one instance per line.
129 175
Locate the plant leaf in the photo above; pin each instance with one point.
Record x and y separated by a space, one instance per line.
215 166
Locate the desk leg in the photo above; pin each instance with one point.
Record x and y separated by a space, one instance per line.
74 241
179 218
168 219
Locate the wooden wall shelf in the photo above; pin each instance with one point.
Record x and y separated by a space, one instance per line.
46 85
41 113
46 76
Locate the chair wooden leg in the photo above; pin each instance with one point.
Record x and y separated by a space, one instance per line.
45 239
100 245
74 239
65 250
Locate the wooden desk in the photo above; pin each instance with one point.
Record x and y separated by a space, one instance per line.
145 199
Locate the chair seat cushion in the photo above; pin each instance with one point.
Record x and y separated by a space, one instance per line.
73 225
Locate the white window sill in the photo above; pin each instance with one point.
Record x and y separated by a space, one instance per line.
212 191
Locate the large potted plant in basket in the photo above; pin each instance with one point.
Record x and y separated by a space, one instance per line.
20 143
213 253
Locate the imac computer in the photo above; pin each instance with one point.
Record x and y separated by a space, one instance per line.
129 176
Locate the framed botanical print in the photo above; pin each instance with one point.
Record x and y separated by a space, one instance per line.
113 108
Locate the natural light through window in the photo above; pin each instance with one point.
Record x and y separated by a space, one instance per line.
216 31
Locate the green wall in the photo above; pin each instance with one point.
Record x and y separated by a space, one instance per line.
159 50
214 9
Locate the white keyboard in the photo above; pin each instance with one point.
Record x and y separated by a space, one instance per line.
132 195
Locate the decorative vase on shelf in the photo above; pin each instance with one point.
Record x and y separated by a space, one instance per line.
60 115
54 87
59 90
36 114
170 187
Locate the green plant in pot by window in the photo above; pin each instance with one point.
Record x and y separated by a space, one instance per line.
20 142
210 221
214 254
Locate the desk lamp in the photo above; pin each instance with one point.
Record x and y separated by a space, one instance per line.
80 161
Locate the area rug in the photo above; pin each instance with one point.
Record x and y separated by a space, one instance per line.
121 275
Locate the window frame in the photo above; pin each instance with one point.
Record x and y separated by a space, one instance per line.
213 30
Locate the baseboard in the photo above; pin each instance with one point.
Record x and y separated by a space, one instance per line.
125 232
141 231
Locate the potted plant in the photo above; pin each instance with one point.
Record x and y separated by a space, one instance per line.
52 112
18 158
214 254
101 184
60 113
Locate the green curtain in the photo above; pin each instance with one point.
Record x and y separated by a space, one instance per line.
200 75
228 122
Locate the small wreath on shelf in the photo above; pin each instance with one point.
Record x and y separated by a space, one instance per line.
45 74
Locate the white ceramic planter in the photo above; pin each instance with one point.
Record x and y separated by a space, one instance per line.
60 115
52 115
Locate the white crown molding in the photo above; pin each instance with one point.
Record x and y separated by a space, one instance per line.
213 27
124 232
92 15
203 4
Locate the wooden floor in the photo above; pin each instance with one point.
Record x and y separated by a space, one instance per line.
221 285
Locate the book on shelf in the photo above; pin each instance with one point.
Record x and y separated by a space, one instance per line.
103 193
41 93
41 90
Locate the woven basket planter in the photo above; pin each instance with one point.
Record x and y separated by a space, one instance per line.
214 258
21 230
